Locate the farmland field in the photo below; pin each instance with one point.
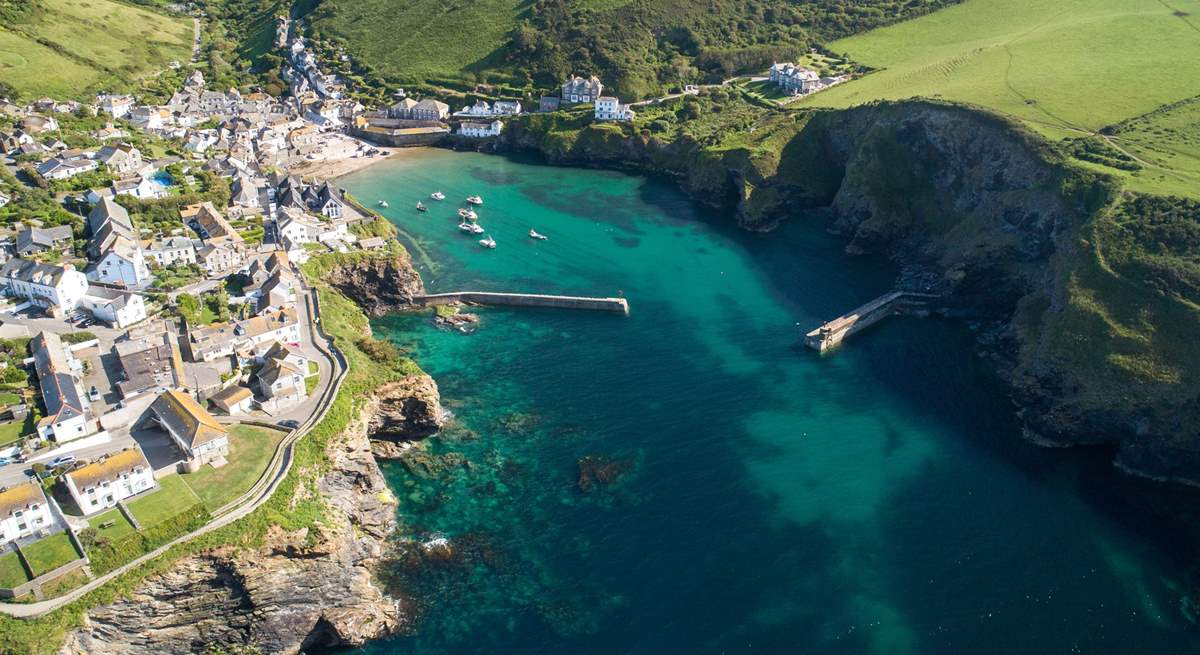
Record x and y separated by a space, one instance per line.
1064 67
71 48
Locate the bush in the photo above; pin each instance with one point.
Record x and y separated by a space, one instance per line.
78 337
377 350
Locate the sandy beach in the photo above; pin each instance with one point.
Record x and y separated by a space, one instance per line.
340 156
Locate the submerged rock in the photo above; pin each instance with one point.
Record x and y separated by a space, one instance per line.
449 317
297 591
600 470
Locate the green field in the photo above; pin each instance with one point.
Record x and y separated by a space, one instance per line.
72 48
173 497
250 448
1065 67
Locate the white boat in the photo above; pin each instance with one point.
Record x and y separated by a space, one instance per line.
488 242
534 234
437 195
462 213
470 228
475 200
383 203
471 216
421 207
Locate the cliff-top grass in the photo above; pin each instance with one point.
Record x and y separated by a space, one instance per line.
1064 67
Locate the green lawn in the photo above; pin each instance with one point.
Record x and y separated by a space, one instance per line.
250 448
11 431
1062 67
311 383
173 497
121 526
11 571
9 398
97 43
313 367
45 555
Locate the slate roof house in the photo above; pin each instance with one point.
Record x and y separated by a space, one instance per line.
55 288
578 90
67 416
201 437
115 246
32 240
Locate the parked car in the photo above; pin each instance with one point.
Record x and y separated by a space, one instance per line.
94 394
289 424
61 460
4 461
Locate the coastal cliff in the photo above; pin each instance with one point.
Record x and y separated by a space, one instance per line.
313 588
378 285
975 207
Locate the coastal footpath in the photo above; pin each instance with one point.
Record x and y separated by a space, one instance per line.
976 208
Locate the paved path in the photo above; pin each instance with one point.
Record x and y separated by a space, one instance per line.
262 490
195 39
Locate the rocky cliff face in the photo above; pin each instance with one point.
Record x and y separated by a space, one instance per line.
298 591
403 411
972 206
378 284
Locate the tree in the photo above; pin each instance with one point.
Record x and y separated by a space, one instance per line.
189 309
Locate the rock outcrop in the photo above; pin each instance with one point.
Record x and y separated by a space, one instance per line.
378 285
407 409
297 591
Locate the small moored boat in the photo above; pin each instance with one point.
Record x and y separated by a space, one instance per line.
475 200
437 195
470 228
488 242
383 203
421 207
534 234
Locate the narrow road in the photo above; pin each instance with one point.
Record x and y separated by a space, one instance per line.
195 39
672 96
277 470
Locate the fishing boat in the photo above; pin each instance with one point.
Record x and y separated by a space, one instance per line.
437 195
534 234
421 207
383 203
475 200
489 242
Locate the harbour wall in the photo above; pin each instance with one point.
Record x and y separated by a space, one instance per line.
615 305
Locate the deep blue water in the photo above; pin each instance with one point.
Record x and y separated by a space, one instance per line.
877 500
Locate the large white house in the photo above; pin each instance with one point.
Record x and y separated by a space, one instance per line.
480 130
118 309
55 288
609 108
101 484
212 342
67 416
23 511
172 250
200 436
794 79
578 90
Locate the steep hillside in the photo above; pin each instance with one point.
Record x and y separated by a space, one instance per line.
70 49
1094 293
639 47
1065 68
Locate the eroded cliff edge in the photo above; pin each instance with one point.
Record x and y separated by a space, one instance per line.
979 208
314 587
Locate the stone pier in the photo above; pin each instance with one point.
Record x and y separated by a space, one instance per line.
834 332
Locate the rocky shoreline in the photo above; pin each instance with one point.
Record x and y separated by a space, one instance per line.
312 588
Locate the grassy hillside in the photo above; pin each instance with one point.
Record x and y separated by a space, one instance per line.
71 48
1065 67
639 47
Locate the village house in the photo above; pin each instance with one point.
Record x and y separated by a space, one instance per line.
201 437
115 247
109 132
280 383
34 240
171 250
34 124
116 106
609 108
141 187
150 361
23 511
233 400
794 79
150 118
55 288
208 222
577 90
220 257
109 480
122 159
67 414
114 308
212 342
64 167
4 199
480 130
430 110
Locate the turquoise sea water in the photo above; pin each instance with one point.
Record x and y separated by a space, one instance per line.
878 500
